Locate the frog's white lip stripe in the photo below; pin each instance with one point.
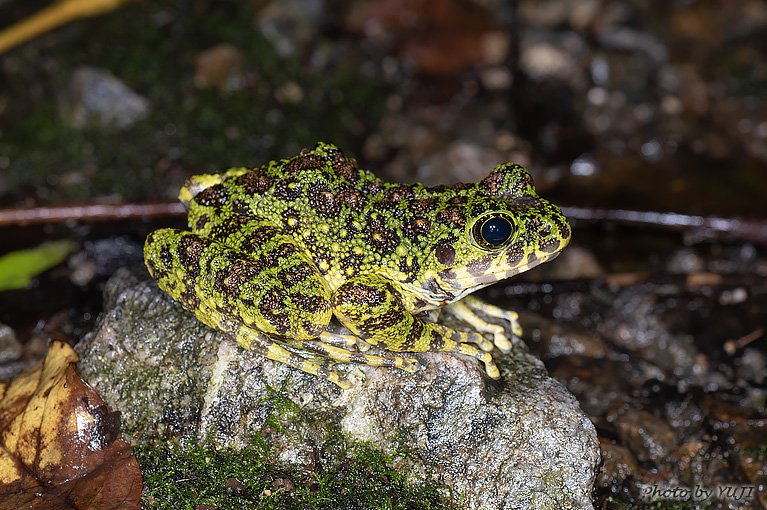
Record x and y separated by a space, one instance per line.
465 283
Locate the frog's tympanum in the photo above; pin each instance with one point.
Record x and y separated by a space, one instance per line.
274 252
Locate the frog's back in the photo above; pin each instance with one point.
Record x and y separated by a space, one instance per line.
351 223
306 176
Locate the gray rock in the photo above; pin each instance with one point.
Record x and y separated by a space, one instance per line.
520 442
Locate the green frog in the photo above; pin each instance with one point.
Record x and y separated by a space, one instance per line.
273 253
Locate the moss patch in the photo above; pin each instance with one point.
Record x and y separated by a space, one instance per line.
356 477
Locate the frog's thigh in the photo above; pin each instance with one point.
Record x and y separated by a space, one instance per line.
372 309
276 291
196 271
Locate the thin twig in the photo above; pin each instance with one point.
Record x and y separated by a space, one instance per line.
54 16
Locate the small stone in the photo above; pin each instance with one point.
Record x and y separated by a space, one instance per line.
648 436
95 96
220 67
618 464
10 348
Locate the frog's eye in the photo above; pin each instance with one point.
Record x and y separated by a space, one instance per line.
493 231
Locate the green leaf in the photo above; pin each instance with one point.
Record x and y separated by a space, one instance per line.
19 267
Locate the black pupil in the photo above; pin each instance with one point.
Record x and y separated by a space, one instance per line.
496 231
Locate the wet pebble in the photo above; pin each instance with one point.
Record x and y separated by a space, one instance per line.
649 437
618 464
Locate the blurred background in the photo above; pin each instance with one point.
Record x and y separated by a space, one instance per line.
623 110
624 104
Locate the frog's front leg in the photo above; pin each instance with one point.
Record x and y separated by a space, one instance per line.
465 310
372 309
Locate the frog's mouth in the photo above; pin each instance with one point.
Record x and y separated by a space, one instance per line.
460 281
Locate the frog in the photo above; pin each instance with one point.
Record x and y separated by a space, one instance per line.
274 253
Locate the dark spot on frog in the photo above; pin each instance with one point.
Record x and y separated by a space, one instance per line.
452 214
351 198
550 245
373 189
445 254
189 251
295 274
312 304
393 316
349 171
305 161
288 189
342 166
166 257
236 272
310 240
240 206
253 182
256 239
411 270
351 261
508 181
416 227
323 201
273 310
422 205
397 194
523 185
202 220
479 266
515 253
312 329
356 292
278 256
214 196
543 234
533 224
564 229
233 225
380 237
436 342
190 298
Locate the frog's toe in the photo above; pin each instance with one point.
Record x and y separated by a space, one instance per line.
342 382
503 343
410 365
484 344
490 367
363 346
492 370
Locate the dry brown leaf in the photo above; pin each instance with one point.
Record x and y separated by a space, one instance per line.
59 443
